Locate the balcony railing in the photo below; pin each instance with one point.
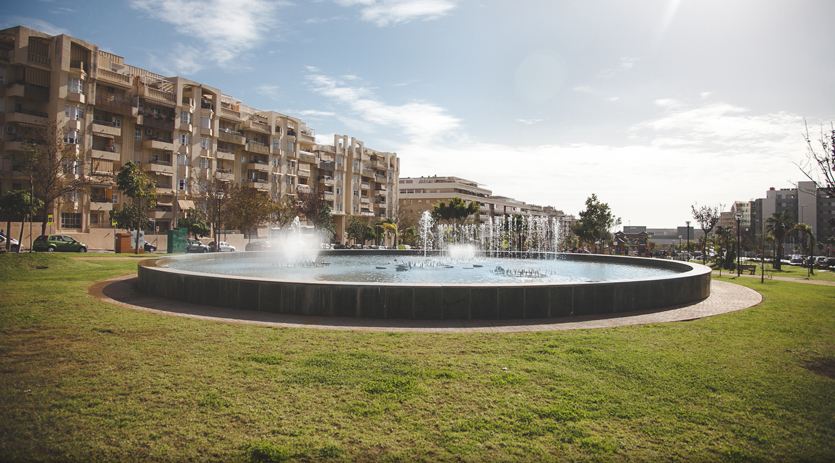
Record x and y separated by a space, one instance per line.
159 122
107 74
113 105
35 58
207 105
226 150
31 112
325 165
231 137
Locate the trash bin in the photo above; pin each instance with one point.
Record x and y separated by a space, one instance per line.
123 243
177 240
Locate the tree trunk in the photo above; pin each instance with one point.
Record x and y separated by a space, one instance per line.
20 239
9 236
138 227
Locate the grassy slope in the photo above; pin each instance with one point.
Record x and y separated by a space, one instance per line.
82 380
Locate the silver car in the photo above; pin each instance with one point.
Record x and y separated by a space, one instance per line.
221 246
196 246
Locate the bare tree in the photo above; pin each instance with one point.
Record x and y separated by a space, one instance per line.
821 163
707 217
55 163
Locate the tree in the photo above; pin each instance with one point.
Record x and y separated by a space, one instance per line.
125 217
707 217
317 212
246 208
806 232
195 222
778 225
358 230
54 164
390 227
455 213
724 244
595 223
18 205
134 183
821 163
212 205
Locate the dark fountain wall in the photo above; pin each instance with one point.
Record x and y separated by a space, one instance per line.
447 302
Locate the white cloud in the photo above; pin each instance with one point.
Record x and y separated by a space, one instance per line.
226 27
417 120
314 113
583 89
704 95
530 121
613 98
32 23
271 91
391 12
182 59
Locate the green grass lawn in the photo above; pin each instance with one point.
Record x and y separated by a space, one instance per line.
787 271
86 381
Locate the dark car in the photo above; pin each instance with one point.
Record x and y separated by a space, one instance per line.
258 246
58 243
149 247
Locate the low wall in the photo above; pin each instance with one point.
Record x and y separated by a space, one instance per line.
449 302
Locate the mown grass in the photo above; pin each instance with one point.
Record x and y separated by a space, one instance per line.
787 271
86 381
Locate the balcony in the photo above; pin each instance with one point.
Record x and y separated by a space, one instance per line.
103 152
258 126
304 173
27 116
258 184
6 55
367 172
380 188
101 204
308 157
328 195
327 181
224 175
156 94
231 137
147 119
365 185
107 128
159 143
230 114
206 106
188 104
365 200
207 131
38 59
303 189
327 165
259 166
159 167
74 97
78 69
380 178
225 153
106 75
161 214
113 105
257 147
381 204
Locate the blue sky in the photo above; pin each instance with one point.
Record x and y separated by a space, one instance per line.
653 105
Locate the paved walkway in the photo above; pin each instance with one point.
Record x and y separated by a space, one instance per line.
123 291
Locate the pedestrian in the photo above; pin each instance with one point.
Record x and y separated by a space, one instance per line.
2 235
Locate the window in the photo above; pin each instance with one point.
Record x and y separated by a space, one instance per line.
290 146
185 118
185 139
205 142
182 184
70 220
72 137
75 86
182 160
339 161
94 219
339 190
289 180
276 144
356 193
205 122
291 164
203 163
115 198
276 162
137 133
117 122
74 113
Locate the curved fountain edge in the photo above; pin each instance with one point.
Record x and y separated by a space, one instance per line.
429 301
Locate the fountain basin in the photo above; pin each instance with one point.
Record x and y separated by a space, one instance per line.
687 283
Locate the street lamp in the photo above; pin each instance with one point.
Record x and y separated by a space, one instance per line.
688 236
679 243
738 269
220 195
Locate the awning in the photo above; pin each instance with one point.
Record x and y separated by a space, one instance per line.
185 203
99 134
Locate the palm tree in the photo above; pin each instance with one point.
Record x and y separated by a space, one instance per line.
806 230
724 236
778 225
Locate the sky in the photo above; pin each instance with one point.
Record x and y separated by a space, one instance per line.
652 105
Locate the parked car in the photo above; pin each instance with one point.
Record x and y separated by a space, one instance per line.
796 260
196 246
221 246
149 247
58 243
258 246
340 246
14 244
820 262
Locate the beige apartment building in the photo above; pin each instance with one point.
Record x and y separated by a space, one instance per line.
183 133
418 194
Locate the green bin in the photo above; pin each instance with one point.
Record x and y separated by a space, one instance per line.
177 240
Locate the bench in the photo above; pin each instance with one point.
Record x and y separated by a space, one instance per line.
749 267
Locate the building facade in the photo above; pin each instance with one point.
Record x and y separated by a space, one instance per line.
185 134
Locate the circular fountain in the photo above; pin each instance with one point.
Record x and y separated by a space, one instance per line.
497 270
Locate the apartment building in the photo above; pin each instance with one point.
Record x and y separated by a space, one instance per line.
806 204
418 194
185 134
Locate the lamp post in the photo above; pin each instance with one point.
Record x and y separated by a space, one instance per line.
738 218
220 195
688 236
679 243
